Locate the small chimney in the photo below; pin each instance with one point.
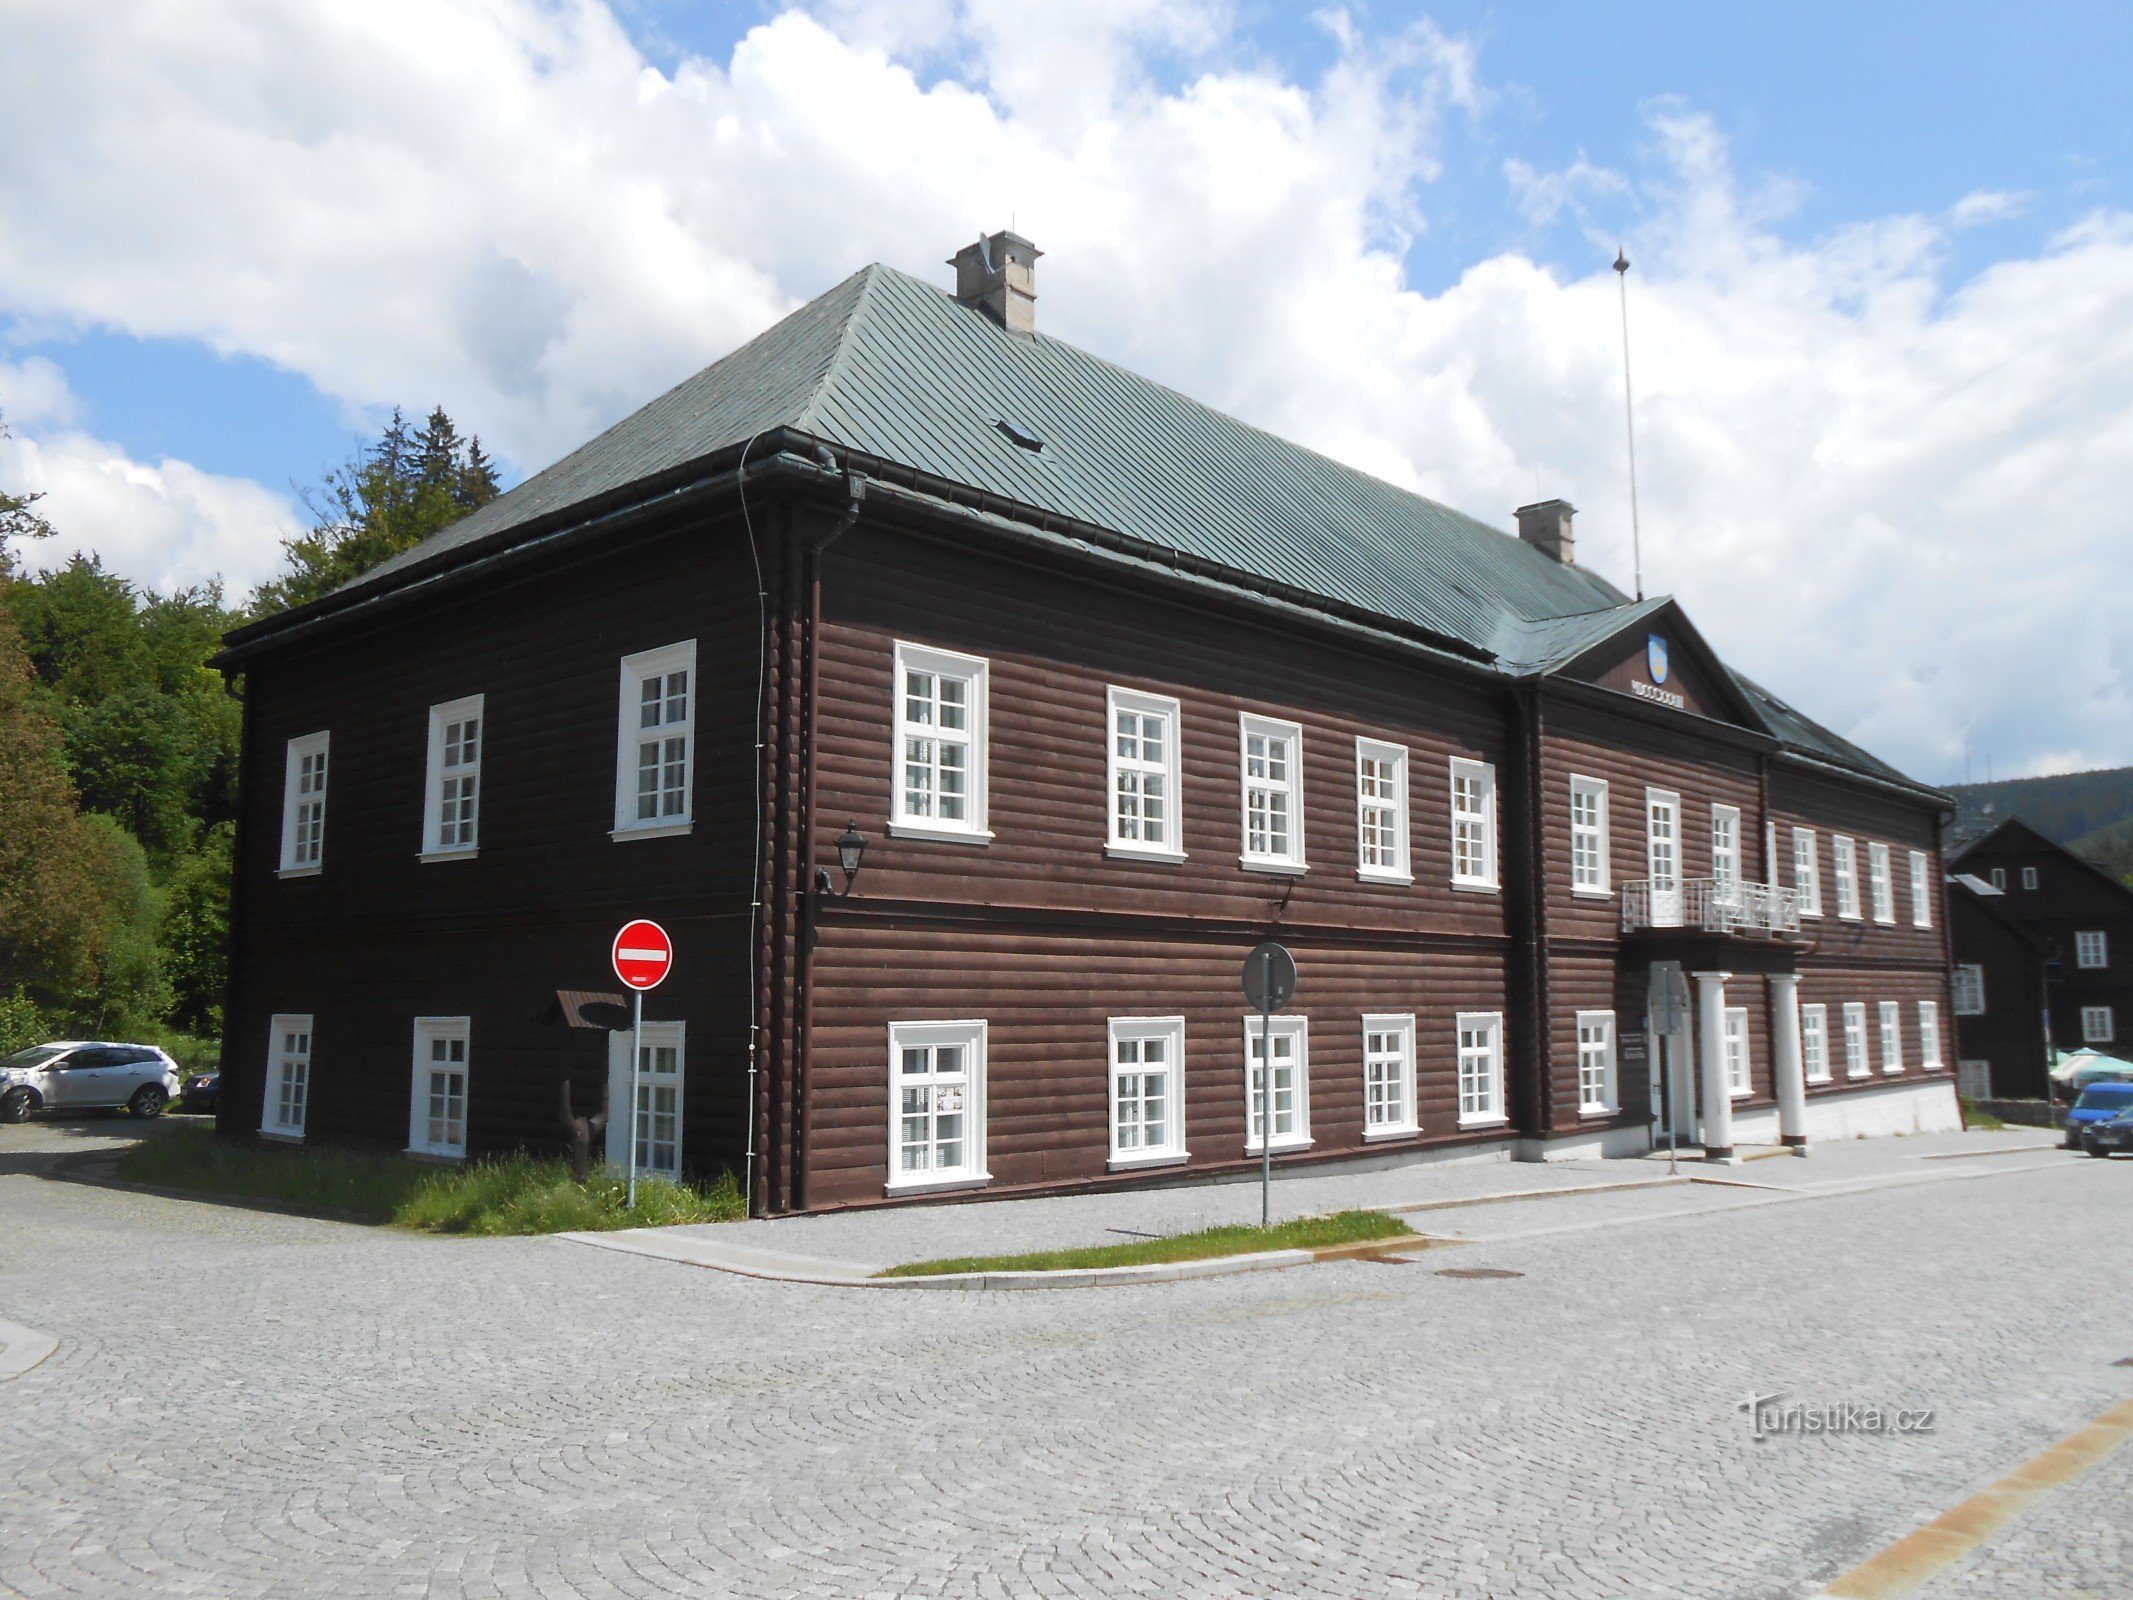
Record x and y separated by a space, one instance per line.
998 275
1546 527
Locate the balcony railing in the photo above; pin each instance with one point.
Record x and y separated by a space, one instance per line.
1711 904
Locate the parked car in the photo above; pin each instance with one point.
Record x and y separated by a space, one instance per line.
199 1092
2109 1136
2099 1102
86 1074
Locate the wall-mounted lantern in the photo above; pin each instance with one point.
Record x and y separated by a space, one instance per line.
851 850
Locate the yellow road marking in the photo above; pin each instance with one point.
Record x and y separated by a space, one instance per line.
1912 1561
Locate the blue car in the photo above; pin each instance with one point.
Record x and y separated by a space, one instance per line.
2099 1102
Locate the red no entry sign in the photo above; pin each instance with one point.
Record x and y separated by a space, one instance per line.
643 955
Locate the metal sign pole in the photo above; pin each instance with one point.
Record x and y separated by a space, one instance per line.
636 1050
1266 1095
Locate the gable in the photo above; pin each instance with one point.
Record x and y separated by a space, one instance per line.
1661 660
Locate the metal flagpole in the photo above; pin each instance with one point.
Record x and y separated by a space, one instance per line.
1629 425
636 1050
1266 1092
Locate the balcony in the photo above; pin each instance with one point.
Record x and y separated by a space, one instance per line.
1712 905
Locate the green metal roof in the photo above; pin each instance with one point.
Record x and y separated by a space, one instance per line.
890 367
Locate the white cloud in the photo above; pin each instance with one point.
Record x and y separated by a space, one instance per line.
168 525
1887 492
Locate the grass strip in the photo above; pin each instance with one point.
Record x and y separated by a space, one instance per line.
514 1194
1236 1239
1979 1121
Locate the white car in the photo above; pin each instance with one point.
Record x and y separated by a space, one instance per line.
84 1074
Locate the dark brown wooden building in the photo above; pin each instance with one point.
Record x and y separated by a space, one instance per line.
1112 687
2042 949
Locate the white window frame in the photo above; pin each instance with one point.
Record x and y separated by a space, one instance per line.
430 1030
1597 1095
1298 1029
971 1034
635 671
1400 1059
1669 801
1921 889
1807 871
975 673
2099 1025
1770 854
1881 878
1392 808
1973 1077
1740 1080
1118 768
2092 949
1929 1036
1170 1031
1475 820
1486 1108
302 856
1891 1037
1289 788
1593 877
1999 879
2029 877
1814 1042
1725 846
288 1047
1969 987
1856 1061
449 714
1844 854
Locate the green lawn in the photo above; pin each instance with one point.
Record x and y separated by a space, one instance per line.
503 1194
1979 1121
1307 1233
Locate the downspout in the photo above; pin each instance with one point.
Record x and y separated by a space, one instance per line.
1530 905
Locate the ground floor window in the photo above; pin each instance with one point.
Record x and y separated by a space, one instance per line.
1287 1042
1855 1062
1891 1036
1388 1076
437 1111
1737 1083
1814 1043
1596 1061
288 1076
1974 1078
659 1098
936 1103
1147 1089
1480 1067
2098 1025
1929 1035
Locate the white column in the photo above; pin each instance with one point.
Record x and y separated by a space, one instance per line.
1711 1048
1785 1059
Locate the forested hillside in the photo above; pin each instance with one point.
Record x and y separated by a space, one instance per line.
2091 813
119 749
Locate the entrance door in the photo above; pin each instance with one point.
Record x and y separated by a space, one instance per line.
658 1099
1662 839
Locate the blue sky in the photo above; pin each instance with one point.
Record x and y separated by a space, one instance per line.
1883 287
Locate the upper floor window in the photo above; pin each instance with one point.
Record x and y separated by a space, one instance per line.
1737 1081
941 713
1596 1062
1846 857
1883 879
1725 845
1999 878
303 805
1381 811
1921 889
1807 871
1970 990
1473 824
1929 1035
452 798
2029 877
2098 1025
288 1093
437 1108
1855 1062
1770 854
1144 775
1891 1036
1814 1043
1287 1041
1588 836
1662 838
1147 1090
655 742
1388 1076
2091 949
1271 754
1480 1067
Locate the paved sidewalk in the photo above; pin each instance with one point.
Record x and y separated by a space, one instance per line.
851 1247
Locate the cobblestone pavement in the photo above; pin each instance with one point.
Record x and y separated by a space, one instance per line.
2076 1543
245 1404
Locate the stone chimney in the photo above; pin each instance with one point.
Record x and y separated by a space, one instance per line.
998 275
1546 527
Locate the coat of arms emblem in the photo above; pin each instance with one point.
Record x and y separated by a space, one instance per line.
1655 656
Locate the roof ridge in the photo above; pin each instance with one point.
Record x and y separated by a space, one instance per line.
804 420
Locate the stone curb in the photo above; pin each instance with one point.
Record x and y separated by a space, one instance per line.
22 1348
1409 1207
